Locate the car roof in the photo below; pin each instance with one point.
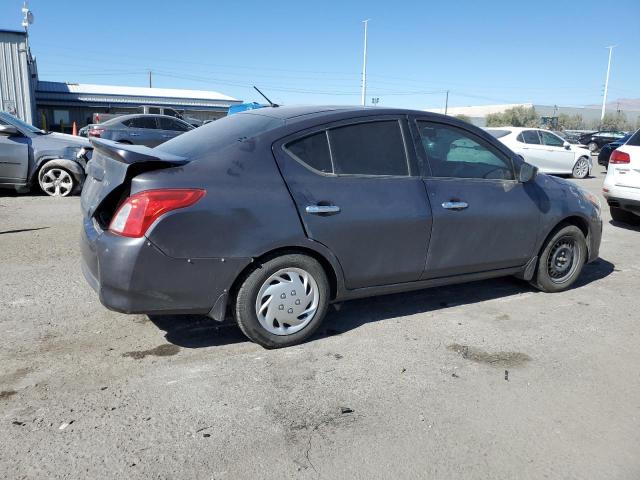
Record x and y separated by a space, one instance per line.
293 114
121 118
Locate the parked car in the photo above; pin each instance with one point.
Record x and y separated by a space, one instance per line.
30 156
605 151
149 109
596 140
272 214
546 150
622 183
140 129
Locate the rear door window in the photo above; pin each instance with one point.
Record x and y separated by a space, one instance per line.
173 125
531 137
313 151
372 148
142 122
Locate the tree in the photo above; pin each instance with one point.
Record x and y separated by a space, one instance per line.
514 117
464 118
615 121
570 122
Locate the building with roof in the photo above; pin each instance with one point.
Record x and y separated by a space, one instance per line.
18 75
66 103
57 105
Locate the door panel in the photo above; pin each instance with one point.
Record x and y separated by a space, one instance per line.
559 159
483 219
14 158
378 227
496 230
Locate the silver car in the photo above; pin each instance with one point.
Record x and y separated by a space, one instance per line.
141 129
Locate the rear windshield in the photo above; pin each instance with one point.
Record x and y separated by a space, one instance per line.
498 133
634 141
217 135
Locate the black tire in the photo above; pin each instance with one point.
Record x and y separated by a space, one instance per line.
547 277
619 215
246 298
592 146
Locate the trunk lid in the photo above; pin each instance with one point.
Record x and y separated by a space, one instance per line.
109 174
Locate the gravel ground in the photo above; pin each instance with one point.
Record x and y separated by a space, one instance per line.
485 380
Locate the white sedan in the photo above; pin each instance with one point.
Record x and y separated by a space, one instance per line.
546 150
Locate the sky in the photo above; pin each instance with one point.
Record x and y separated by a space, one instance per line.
297 52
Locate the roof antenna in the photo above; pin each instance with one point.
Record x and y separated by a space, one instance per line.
265 97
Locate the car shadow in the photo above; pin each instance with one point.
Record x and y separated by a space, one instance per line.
198 331
626 226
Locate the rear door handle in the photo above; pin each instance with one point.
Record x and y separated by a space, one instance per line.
134 134
455 205
322 209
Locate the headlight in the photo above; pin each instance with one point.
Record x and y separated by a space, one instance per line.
592 199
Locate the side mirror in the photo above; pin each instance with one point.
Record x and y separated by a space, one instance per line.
527 173
566 145
8 130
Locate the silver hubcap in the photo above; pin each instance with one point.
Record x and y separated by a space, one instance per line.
581 169
287 301
56 182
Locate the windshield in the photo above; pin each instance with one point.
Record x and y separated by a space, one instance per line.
10 119
217 135
498 133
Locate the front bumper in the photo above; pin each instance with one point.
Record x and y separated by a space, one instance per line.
131 275
594 239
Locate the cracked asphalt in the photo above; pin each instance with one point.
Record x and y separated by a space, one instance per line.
486 380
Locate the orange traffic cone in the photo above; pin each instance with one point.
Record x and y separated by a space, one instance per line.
74 130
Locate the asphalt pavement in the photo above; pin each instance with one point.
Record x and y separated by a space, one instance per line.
485 380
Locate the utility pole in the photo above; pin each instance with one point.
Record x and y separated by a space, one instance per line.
446 103
364 66
606 83
150 83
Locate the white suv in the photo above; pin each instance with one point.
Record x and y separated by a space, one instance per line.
622 183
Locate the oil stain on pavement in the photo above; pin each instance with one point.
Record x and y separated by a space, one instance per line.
497 359
165 350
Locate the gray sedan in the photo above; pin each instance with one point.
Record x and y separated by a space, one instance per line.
142 129
273 214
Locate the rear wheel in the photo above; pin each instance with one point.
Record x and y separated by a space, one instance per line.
581 168
56 181
561 260
620 215
282 301
592 146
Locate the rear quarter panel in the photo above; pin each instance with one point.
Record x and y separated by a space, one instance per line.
246 211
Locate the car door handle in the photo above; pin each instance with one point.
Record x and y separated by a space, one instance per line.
134 134
455 205
322 209
166 136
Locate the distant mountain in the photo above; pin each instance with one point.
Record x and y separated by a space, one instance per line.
622 104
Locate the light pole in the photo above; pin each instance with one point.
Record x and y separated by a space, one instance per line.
606 83
364 66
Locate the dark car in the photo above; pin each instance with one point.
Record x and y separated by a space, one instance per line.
140 129
605 151
272 214
596 140
32 157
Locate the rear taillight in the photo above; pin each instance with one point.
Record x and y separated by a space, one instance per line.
95 132
619 157
139 211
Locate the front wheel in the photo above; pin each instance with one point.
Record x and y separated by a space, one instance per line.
581 168
282 301
56 181
561 260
